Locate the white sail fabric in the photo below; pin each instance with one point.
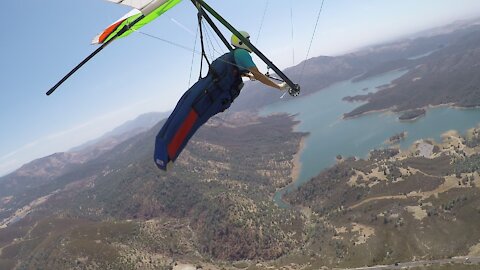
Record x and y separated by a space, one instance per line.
145 6
138 4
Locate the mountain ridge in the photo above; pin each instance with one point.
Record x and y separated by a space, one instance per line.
430 81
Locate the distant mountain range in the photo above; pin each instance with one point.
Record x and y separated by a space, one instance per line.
448 75
441 61
43 171
127 130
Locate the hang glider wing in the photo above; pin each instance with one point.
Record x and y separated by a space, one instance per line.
146 6
137 4
149 10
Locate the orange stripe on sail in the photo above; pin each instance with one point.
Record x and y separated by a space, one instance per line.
107 32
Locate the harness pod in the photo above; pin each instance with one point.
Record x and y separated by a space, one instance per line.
207 97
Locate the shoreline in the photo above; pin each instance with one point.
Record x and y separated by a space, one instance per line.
294 174
297 164
427 107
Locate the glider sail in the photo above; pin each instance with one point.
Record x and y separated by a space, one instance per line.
134 20
136 4
150 10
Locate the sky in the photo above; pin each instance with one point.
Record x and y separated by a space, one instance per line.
43 40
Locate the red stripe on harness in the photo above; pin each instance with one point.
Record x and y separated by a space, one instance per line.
181 134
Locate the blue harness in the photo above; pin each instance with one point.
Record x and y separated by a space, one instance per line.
206 98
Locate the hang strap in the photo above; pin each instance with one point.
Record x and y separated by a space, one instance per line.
204 55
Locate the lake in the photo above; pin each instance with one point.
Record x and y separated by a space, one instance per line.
321 113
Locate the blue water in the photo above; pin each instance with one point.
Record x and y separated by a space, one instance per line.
321 113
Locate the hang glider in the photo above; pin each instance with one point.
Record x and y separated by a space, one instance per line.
145 11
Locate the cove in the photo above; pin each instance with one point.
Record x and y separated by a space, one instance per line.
320 114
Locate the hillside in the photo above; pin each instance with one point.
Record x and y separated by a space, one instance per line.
119 210
130 128
396 206
44 172
214 209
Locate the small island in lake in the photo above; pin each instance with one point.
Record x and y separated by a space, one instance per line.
397 137
358 98
412 115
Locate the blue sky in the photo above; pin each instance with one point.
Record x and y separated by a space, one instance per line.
43 40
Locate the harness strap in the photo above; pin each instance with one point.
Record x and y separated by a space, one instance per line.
204 55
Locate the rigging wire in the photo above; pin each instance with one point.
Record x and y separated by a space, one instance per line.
311 42
293 40
209 42
193 58
210 33
194 51
205 40
166 41
261 22
184 47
